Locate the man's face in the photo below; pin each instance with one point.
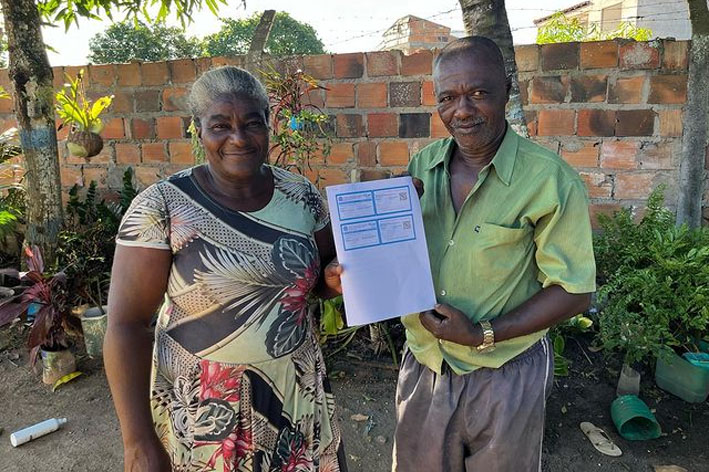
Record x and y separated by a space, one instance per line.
471 95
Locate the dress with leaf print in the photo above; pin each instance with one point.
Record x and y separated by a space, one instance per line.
238 379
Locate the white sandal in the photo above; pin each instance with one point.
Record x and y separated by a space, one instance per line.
600 439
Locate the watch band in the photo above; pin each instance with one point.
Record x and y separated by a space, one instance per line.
488 337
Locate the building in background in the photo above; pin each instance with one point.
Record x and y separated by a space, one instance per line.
666 19
411 33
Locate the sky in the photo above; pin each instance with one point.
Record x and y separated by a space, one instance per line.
343 26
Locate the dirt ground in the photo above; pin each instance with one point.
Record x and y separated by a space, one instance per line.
364 391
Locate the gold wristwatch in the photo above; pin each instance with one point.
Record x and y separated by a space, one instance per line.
488 344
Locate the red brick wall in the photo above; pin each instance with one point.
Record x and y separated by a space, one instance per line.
612 109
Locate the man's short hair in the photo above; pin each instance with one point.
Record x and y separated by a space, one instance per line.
472 45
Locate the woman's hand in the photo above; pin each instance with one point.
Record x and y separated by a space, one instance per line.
331 277
146 456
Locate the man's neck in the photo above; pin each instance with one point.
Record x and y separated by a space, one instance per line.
477 158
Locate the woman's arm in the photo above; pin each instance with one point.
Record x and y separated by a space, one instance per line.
329 284
138 284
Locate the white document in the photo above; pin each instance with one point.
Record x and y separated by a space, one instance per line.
381 246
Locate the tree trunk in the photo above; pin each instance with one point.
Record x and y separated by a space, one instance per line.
694 136
489 18
31 78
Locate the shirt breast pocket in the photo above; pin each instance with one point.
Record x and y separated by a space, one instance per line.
502 253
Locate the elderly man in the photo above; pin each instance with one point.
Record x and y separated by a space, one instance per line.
511 254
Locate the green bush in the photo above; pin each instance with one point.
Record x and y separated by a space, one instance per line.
655 291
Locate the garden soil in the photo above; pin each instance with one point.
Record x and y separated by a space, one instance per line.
364 390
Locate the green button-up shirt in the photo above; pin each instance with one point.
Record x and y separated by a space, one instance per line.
524 226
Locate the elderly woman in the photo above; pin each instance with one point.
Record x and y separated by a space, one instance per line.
230 251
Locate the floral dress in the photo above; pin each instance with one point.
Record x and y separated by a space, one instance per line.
238 378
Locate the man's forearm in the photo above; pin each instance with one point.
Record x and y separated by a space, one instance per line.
545 309
127 355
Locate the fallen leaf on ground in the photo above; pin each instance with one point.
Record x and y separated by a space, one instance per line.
359 417
669 468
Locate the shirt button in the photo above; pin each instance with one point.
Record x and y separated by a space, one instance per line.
451 242
443 293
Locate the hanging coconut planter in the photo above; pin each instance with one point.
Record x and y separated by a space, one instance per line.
84 143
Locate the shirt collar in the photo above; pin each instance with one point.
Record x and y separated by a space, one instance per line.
503 162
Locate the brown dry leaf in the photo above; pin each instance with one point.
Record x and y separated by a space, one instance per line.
669 468
359 417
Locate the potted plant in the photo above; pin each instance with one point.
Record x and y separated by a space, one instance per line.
48 337
77 111
655 301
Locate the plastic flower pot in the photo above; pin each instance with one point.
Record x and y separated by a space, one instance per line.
628 382
679 377
94 322
56 364
633 419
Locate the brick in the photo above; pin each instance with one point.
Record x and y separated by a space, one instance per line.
531 118
383 63
147 175
596 209
96 174
147 101
319 66
155 73
57 81
668 89
670 122
113 129
128 74
175 99
635 123
581 154
202 65
7 105
220 61
428 95
366 154
627 90
560 56
556 123
599 185
181 152
374 174
183 71
332 177
524 91
314 98
393 153
596 123
382 125
599 55
372 95
142 129
103 75
348 66
127 153
675 54
418 63
169 127
657 155
414 125
527 57
619 154
633 186
634 55
589 88
73 72
550 89
340 96
405 94
349 126
122 103
71 175
154 152
340 153
438 129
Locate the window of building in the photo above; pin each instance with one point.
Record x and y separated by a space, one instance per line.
611 17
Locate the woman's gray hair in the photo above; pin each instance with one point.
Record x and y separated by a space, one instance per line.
221 82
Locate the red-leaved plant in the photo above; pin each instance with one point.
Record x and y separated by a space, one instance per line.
48 329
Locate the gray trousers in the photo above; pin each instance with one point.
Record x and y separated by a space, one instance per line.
490 420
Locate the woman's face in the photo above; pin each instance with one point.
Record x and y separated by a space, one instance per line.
234 133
